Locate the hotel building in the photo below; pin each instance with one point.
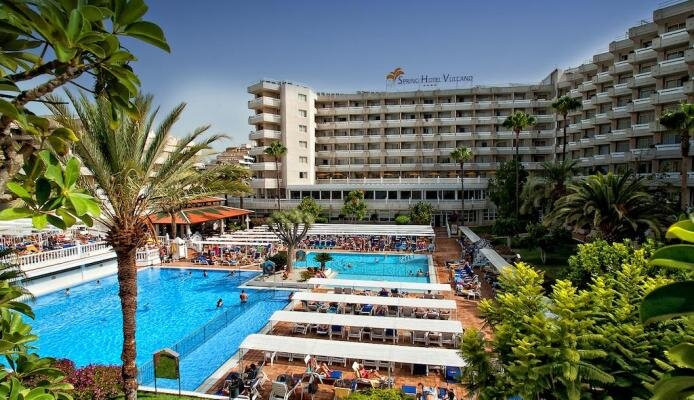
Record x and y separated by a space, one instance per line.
395 145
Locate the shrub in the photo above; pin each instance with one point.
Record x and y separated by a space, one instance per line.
403 220
306 274
93 382
507 226
280 260
378 394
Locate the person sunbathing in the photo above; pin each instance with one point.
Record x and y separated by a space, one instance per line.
324 370
368 373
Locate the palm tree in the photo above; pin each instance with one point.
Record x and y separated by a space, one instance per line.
542 192
682 120
277 150
564 105
517 122
290 227
461 155
618 206
130 167
323 258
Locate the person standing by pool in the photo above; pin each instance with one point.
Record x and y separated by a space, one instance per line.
243 296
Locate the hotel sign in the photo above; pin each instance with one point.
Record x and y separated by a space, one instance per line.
398 77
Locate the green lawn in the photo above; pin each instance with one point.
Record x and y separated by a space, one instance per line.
557 259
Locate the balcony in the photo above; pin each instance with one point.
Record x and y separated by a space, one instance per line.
258 150
601 98
261 102
264 183
642 54
619 112
264 166
601 158
641 129
602 77
668 150
620 157
619 134
601 118
620 67
670 39
264 86
264 118
639 103
619 89
670 95
575 93
265 134
586 86
642 79
667 67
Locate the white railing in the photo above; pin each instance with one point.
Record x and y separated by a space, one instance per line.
61 255
675 90
643 50
682 32
674 61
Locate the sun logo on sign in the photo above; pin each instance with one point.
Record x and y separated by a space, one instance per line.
394 74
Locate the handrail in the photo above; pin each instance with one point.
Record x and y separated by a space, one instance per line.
76 251
198 337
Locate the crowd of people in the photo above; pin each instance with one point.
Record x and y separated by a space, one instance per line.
367 243
235 255
46 241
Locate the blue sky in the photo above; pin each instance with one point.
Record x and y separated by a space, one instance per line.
219 47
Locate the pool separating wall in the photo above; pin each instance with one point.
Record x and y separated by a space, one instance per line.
173 304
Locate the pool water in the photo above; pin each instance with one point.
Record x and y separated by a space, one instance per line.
85 326
373 266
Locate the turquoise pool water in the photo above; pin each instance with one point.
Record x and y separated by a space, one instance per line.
373 266
172 303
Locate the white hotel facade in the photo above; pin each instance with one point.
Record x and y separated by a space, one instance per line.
395 145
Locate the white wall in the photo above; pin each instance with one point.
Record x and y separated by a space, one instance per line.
68 279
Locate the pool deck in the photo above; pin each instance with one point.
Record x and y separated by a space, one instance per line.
467 314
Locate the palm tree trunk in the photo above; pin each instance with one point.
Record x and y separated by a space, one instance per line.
290 258
563 149
684 169
517 168
127 291
462 191
173 225
277 172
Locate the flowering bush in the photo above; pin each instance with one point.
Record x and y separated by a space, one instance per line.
93 382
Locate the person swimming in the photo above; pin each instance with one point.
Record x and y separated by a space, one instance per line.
243 296
67 291
220 303
204 273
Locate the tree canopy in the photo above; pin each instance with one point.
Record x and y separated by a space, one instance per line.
355 207
502 187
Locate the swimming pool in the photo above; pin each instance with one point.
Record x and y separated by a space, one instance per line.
374 266
172 303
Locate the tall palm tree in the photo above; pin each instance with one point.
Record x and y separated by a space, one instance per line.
461 155
517 122
682 120
130 167
277 150
558 174
564 105
618 206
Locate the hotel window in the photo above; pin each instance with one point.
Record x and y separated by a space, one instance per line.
304 113
621 147
673 54
646 92
623 101
675 27
303 97
303 128
488 214
646 67
646 43
623 123
676 82
303 144
645 117
303 175
604 149
671 138
303 160
644 142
